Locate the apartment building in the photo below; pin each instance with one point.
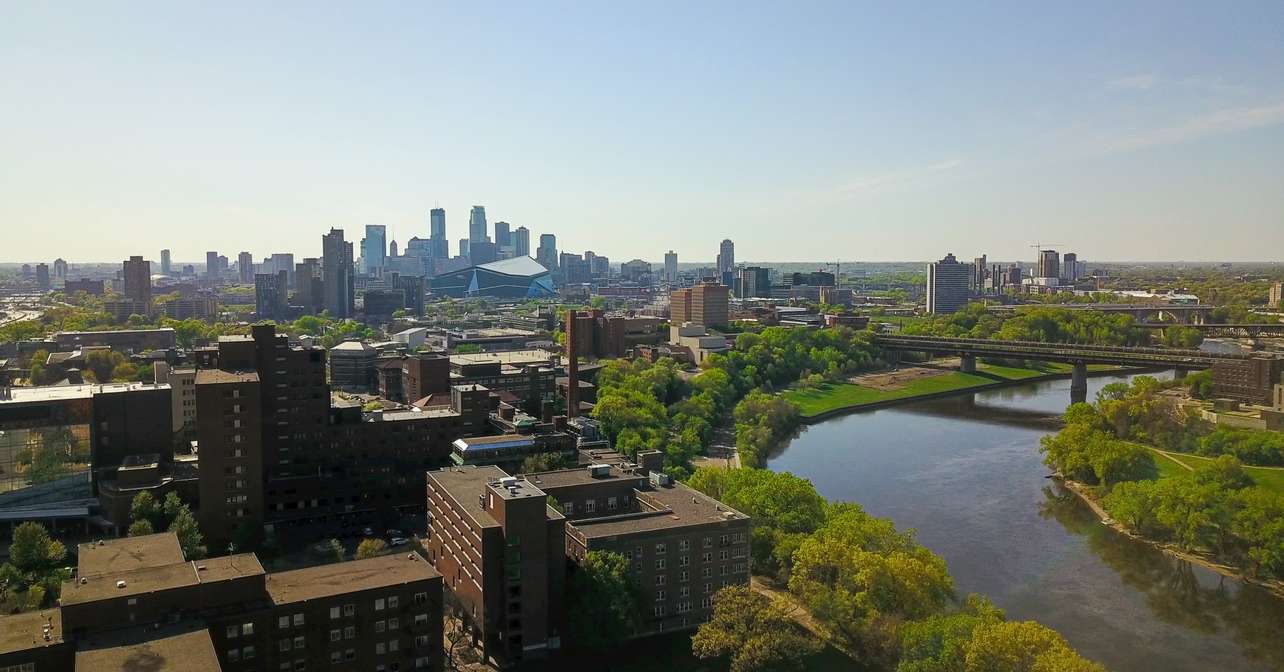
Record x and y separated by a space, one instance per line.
503 551
137 601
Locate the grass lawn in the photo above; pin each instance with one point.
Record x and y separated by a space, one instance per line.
842 395
1271 479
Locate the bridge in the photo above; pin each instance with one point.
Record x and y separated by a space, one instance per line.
1238 330
1080 356
1175 313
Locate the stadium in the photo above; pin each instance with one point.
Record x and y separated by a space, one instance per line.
516 278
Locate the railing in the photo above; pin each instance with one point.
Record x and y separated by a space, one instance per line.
1037 349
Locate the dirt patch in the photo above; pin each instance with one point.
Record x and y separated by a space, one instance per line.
887 381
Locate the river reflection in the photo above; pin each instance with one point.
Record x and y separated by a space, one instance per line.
965 472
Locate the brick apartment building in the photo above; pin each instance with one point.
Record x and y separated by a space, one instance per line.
136 603
504 552
706 303
1250 380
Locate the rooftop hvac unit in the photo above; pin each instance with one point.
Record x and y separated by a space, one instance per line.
659 478
508 482
599 470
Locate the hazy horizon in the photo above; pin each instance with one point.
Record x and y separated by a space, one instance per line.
824 131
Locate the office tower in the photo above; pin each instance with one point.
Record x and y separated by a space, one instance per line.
245 267
502 236
211 265
1049 264
1070 267
546 255
753 282
590 260
60 268
337 275
704 304
437 233
979 268
42 277
947 283
671 267
522 242
996 281
279 261
392 248
374 248
1014 276
726 261
477 225
463 247
138 282
165 262
271 295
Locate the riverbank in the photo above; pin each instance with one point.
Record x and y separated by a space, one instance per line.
1206 561
882 389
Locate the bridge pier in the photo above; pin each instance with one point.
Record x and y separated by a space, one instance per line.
1179 374
967 363
1079 383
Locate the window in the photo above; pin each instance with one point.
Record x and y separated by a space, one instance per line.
568 508
660 549
283 645
421 619
684 576
350 654
349 632
708 588
707 557
380 648
590 506
298 620
723 555
379 604
706 572
300 665
684 545
392 602
659 596
421 640
393 624
659 610
335 657
684 607
233 655
659 564
683 561
684 591
247 629
659 579
349 609
283 622
610 504
233 632
421 598
379 626
247 653
299 642
706 602
335 635
708 542
394 645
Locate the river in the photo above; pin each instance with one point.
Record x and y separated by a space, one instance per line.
966 473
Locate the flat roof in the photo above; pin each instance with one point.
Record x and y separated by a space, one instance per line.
191 650
137 581
348 577
670 506
464 484
213 376
511 357
46 393
563 478
228 567
26 631
494 442
128 553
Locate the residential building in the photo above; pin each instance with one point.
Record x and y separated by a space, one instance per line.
245 268
137 602
522 242
546 255
60 268
440 245
271 295
137 274
212 266
309 288
352 366
121 340
980 267
166 264
182 385
1251 380
671 267
1276 299
503 236
1049 264
94 287
704 304
43 283
337 275
947 285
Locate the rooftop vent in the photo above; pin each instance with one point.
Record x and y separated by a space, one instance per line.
509 482
599 470
659 478
120 584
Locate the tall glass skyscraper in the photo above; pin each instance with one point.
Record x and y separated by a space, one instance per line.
477 225
437 233
374 248
521 242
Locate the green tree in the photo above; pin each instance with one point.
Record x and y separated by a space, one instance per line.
603 601
189 534
939 643
370 548
33 551
146 508
1022 646
754 632
141 527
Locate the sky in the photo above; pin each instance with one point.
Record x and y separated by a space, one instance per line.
802 131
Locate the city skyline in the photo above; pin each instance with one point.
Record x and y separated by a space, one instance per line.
844 126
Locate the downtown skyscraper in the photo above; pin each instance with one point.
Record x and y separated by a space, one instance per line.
726 261
522 242
440 245
374 248
477 225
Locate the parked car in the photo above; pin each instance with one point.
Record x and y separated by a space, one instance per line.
398 541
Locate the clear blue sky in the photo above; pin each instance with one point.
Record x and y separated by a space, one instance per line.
803 131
